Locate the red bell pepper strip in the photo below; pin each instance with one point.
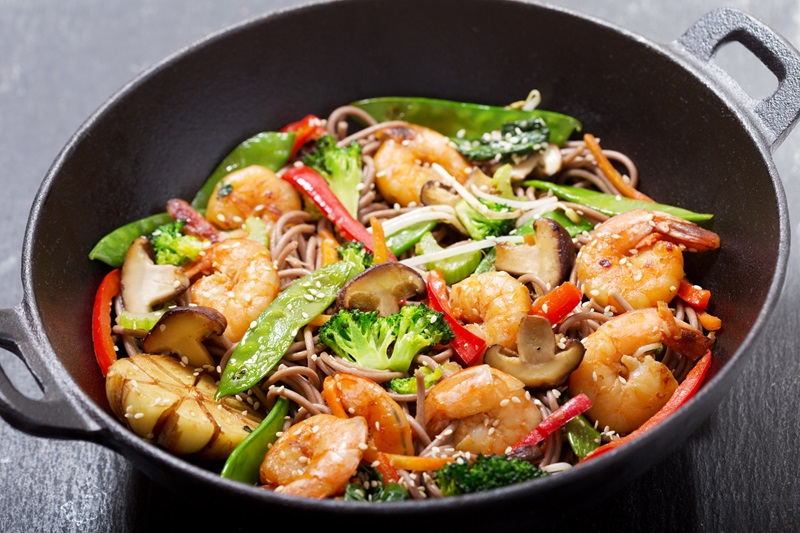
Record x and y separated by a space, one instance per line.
572 408
196 224
316 188
692 295
310 128
688 388
557 304
467 345
101 320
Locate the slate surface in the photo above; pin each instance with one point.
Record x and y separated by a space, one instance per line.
60 60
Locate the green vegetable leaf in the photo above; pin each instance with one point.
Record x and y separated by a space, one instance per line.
521 137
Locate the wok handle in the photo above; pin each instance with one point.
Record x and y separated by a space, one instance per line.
51 413
775 115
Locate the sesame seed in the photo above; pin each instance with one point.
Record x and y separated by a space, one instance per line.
503 402
594 375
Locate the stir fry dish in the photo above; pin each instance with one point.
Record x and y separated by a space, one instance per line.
410 298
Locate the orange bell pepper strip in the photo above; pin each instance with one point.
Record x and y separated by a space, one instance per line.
104 348
558 303
693 295
381 254
688 388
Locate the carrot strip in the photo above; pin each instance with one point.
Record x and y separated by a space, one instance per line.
610 172
381 254
709 321
415 462
328 246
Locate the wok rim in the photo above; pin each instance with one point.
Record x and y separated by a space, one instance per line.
115 436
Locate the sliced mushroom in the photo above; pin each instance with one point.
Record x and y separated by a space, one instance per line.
536 362
551 257
541 164
181 332
169 403
434 193
381 288
145 284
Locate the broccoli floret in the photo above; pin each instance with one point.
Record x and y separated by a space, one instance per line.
340 166
356 252
384 342
480 226
483 473
361 337
172 247
418 327
409 385
368 486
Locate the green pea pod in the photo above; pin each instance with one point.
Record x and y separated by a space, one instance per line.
454 268
487 263
459 119
582 437
112 248
558 215
269 149
265 342
403 240
243 463
611 205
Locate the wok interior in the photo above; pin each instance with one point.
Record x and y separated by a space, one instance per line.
163 136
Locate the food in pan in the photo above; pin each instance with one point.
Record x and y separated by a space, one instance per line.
413 298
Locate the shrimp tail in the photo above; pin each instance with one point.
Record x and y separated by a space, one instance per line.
682 337
679 231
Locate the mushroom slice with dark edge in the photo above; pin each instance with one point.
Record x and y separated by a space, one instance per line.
181 332
381 288
550 258
145 284
536 362
434 193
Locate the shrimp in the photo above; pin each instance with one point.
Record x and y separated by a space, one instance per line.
639 255
250 191
402 163
353 395
627 386
492 305
315 457
492 408
242 283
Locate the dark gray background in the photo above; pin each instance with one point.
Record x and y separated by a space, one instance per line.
60 60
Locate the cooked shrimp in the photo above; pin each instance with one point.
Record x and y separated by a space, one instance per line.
353 395
625 383
491 304
639 254
316 457
241 283
493 409
250 191
402 163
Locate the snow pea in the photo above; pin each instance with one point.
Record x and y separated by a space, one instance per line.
582 437
461 119
401 241
112 248
454 268
611 205
269 149
245 460
573 228
265 342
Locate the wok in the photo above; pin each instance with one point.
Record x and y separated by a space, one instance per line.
161 135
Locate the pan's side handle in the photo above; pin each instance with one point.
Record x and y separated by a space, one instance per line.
776 114
52 414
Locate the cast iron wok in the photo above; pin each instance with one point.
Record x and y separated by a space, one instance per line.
698 140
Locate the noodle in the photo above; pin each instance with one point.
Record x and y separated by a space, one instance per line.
297 251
